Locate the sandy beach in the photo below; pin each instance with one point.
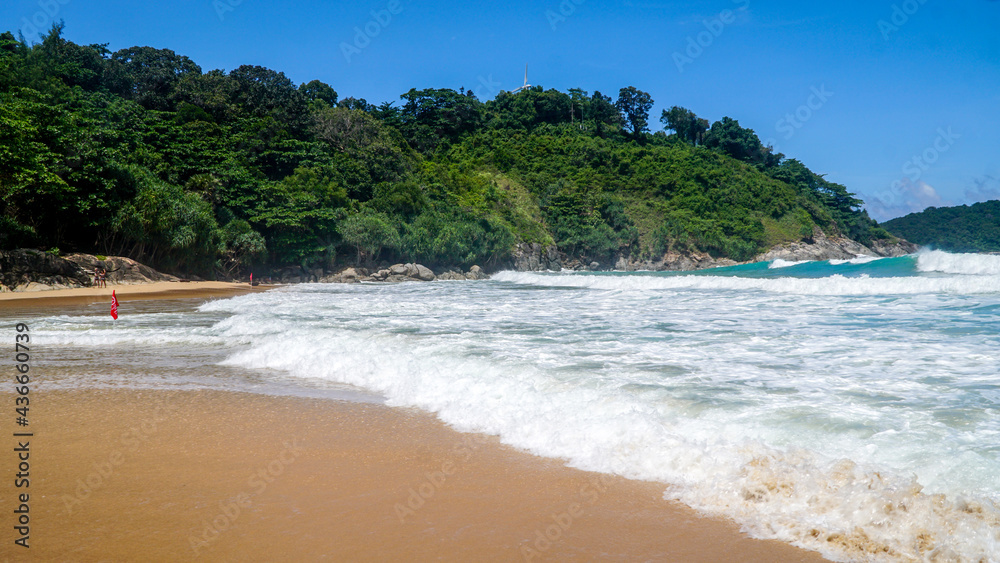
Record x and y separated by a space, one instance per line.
225 476
124 292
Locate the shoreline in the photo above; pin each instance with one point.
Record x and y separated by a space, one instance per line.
168 475
126 292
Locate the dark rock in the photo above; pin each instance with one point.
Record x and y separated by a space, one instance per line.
24 266
423 273
33 269
534 257
899 248
20 268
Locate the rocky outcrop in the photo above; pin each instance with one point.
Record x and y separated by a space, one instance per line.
454 274
898 248
674 261
532 257
295 274
34 270
121 271
403 273
28 270
834 248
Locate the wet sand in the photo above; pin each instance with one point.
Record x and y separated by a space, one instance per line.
223 476
126 475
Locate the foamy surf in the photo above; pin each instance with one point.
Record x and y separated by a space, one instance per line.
779 263
835 284
859 259
968 264
852 409
632 425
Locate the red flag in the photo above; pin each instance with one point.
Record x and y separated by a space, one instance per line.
114 305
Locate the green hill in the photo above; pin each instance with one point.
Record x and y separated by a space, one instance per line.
965 228
141 153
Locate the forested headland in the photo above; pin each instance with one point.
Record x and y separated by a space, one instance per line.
141 153
965 228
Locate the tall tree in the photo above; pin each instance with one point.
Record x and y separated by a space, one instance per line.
319 91
634 106
268 92
740 143
430 115
578 100
602 111
688 126
149 75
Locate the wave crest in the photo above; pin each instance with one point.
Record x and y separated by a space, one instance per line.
833 285
967 264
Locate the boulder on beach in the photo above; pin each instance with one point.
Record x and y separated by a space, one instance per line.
424 273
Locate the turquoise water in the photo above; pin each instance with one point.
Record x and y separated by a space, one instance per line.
879 268
856 400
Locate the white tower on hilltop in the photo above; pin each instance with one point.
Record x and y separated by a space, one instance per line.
526 85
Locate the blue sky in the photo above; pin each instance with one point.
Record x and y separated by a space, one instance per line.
897 100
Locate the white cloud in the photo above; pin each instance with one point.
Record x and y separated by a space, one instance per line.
904 197
986 188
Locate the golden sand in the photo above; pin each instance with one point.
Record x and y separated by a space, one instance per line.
222 476
125 292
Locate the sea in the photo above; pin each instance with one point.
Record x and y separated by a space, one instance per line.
851 407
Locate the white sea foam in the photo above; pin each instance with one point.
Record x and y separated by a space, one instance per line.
838 425
858 417
846 510
859 259
832 285
971 264
779 263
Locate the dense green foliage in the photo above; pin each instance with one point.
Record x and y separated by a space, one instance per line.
141 153
965 228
